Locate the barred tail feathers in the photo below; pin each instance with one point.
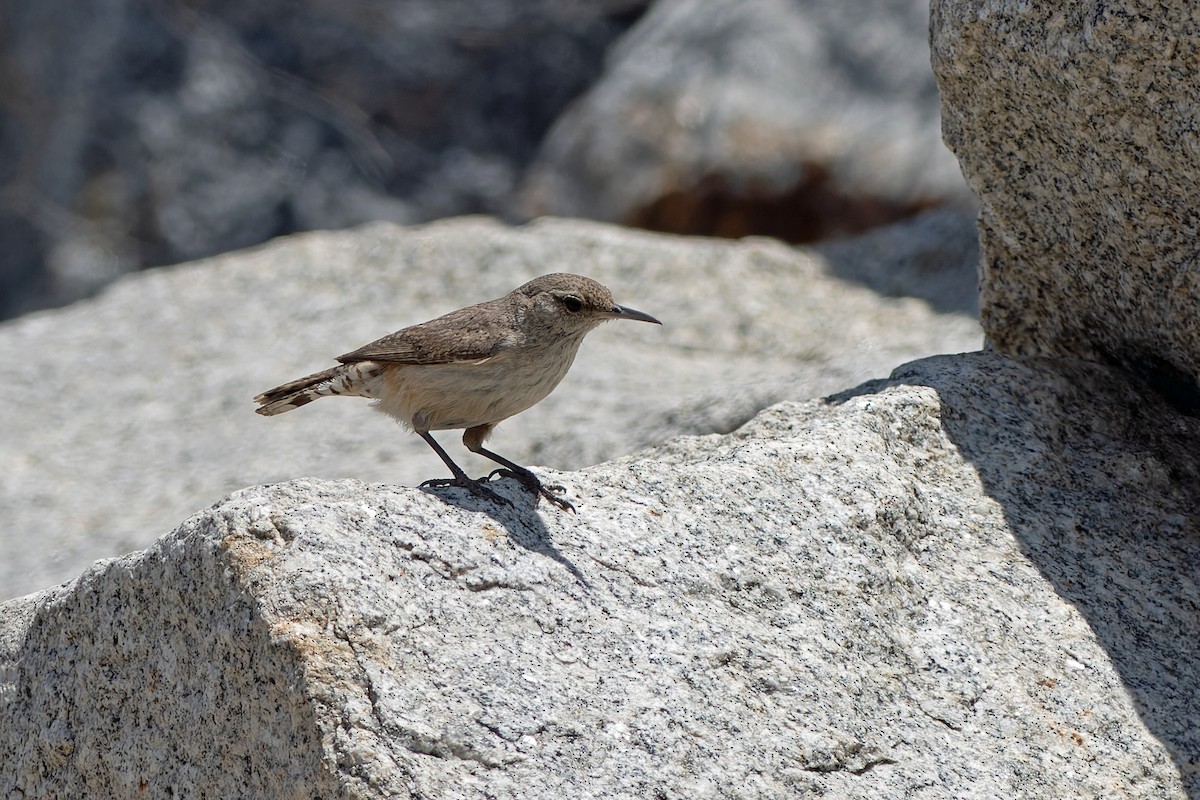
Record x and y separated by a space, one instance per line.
345 379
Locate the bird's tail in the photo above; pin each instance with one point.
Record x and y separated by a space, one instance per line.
349 379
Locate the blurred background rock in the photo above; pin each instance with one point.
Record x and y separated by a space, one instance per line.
137 133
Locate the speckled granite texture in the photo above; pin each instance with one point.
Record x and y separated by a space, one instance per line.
1077 126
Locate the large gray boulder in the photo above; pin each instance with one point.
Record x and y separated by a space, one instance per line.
975 579
125 413
1075 124
795 118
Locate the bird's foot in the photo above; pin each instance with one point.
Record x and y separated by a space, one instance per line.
474 487
533 484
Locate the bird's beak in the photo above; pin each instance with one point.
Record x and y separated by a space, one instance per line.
622 312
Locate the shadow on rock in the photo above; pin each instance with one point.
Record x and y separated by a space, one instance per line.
521 521
1099 481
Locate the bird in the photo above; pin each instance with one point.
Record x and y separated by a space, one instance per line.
470 369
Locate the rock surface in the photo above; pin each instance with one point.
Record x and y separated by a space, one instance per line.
976 579
125 413
1076 126
791 118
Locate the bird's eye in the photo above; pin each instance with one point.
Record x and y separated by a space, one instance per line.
572 303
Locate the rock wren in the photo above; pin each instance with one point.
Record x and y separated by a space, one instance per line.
471 369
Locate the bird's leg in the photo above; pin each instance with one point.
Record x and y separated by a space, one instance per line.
530 481
460 478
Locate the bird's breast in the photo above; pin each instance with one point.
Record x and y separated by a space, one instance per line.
450 396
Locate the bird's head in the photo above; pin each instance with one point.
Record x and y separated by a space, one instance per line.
573 305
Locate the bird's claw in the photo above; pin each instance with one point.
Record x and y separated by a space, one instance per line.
474 487
561 502
535 486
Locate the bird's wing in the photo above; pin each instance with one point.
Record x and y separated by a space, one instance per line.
469 334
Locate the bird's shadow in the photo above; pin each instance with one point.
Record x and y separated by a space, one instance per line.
521 520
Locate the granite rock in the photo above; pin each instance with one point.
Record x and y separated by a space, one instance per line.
976 579
124 413
1075 124
791 118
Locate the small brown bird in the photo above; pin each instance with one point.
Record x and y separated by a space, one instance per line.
471 368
